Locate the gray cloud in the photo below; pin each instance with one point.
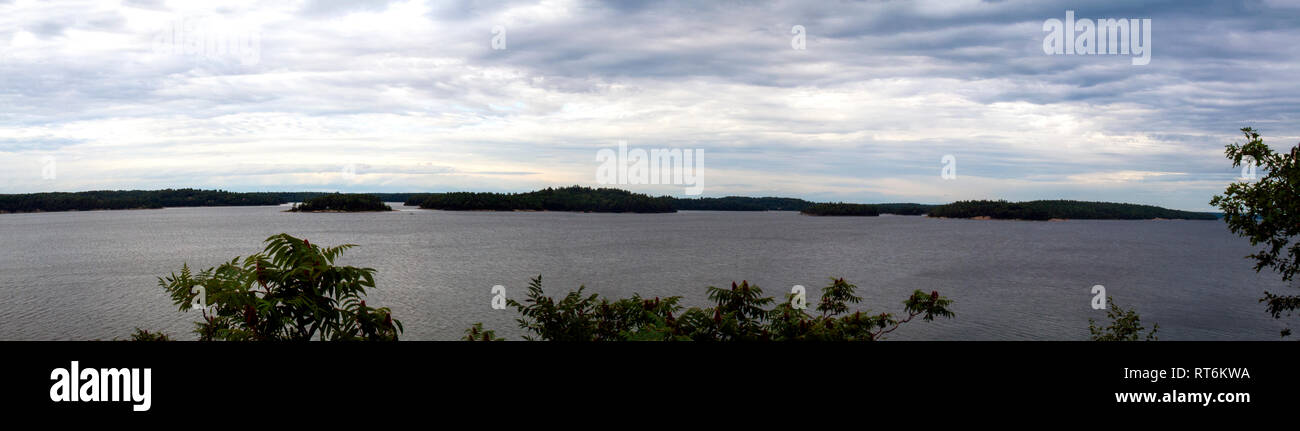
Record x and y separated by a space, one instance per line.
415 93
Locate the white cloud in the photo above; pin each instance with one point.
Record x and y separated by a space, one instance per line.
1118 176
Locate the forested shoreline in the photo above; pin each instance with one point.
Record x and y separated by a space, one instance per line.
131 199
842 209
575 198
1062 209
740 203
155 199
728 203
586 199
868 210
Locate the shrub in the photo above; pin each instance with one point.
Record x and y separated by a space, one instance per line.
739 313
1124 326
290 291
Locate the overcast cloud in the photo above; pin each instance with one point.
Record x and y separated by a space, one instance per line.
411 96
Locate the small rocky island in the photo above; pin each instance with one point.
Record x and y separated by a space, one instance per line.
342 203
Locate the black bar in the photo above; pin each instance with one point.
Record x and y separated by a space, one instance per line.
456 378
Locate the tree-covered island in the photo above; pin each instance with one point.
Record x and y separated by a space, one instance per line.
340 202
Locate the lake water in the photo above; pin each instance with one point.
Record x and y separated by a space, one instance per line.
93 275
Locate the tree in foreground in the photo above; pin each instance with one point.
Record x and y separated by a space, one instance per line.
1124 326
739 313
292 291
1267 212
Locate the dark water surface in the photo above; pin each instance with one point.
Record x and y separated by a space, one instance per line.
93 275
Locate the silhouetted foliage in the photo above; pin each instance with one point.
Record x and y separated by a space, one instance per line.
144 335
1124 326
290 291
841 209
574 198
339 202
740 313
477 333
1061 209
1268 212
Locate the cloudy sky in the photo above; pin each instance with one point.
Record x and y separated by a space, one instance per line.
412 96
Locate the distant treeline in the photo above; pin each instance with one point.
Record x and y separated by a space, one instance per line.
904 209
740 203
842 209
151 199
729 203
286 197
339 202
1061 209
575 198
586 199
415 199
131 199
